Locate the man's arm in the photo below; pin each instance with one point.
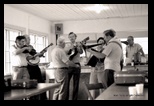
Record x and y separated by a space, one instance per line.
108 49
17 51
97 54
141 50
66 60
71 64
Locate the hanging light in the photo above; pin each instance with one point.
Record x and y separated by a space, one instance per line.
97 8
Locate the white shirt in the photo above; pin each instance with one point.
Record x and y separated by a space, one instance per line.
131 50
19 59
113 54
58 57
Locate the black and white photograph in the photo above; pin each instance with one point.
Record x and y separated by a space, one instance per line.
75 52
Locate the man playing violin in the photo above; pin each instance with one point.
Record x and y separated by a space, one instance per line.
74 72
18 59
113 55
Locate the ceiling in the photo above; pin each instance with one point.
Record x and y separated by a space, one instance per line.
68 12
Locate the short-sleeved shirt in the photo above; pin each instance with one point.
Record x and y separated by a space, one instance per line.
19 59
59 57
131 50
113 54
76 58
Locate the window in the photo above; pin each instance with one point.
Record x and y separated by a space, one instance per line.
39 43
9 39
124 48
143 42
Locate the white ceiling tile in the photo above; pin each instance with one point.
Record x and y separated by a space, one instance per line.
66 12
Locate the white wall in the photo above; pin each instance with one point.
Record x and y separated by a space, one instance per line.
15 17
137 26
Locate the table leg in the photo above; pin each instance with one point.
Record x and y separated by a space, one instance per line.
50 95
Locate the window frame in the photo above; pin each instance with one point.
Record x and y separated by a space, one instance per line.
8 69
45 42
22 31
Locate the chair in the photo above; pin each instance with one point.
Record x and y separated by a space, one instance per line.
93 86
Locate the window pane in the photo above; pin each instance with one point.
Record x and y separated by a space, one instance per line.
7 35
11 43
124 48
10 40
42 60
32 39
7 68
145 47
33 46
13 35
4 47
40 40
7 58
16 33
143 42
38 43
10 68
39 48
7 45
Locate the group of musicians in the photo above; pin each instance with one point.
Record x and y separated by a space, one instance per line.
66 67
66 62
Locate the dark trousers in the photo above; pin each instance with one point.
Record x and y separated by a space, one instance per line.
109 76
35 73
61 76
75 74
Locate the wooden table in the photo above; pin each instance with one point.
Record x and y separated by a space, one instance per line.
19 94
120 92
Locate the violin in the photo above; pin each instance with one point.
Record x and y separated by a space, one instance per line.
124 42
90 46
32 52
93 60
